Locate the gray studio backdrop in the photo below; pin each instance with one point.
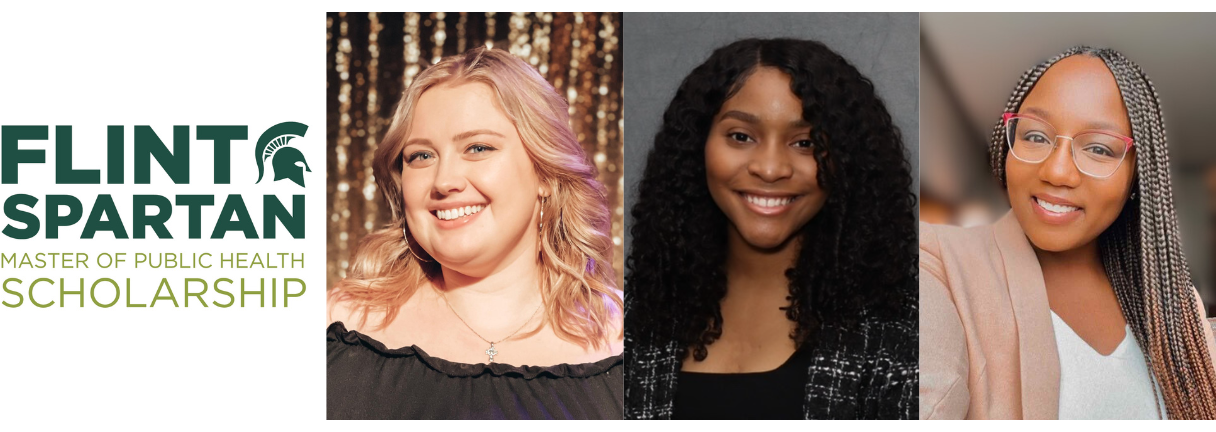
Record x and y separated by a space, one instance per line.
660 49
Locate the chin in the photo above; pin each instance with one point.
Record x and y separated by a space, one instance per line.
1050 238
1052 242
1049 245
463 265
765 240
453 255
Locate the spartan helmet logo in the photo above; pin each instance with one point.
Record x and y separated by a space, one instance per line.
288 162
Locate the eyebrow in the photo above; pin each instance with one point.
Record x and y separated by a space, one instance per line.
754 119
741 116
1043 114
466 135
459 137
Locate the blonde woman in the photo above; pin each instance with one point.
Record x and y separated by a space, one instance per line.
491 294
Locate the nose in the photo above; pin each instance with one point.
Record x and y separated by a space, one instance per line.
449 177
1059 169
770 163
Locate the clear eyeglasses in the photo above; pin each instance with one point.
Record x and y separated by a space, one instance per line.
1096 153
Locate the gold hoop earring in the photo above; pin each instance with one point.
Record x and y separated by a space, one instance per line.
543 200
405 232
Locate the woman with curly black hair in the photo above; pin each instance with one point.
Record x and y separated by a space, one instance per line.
772 267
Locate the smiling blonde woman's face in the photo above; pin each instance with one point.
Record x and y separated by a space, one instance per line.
470 190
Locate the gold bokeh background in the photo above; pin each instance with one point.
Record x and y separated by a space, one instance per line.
371 58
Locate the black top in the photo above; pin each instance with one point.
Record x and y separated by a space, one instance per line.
862 368
772 395
365 380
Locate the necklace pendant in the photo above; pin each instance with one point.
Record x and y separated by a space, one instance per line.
491 352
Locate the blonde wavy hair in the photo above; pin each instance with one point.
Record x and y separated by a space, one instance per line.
577 282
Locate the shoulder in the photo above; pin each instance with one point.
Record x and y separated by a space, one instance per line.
338 308
353 314
889 337
936 240
648 342
649 348
617 344
940 245
896 334
342 326
652 366
869 368
892 359
616 327
885 330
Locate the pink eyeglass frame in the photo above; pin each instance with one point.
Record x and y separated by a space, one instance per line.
1008 116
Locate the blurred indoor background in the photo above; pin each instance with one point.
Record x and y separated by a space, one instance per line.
372 57
971 62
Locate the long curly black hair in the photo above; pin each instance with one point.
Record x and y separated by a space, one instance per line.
857 255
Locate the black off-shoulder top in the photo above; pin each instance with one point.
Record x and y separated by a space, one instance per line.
365 380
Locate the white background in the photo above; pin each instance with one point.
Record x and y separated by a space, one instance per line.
92 65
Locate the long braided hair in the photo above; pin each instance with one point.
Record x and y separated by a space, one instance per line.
1141 251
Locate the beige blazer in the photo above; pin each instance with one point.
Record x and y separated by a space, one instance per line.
987 346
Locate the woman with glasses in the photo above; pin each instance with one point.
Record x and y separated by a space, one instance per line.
1078 303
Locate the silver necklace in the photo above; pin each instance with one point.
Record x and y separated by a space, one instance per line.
491 351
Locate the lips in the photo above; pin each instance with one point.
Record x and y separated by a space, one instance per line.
1054 210
457 213
768 204
1055 205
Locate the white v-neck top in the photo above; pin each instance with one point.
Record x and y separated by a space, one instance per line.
1094 386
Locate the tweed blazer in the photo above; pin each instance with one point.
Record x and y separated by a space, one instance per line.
866 370
987 344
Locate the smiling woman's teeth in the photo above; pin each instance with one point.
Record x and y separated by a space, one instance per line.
1055 208
458 212
768 202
